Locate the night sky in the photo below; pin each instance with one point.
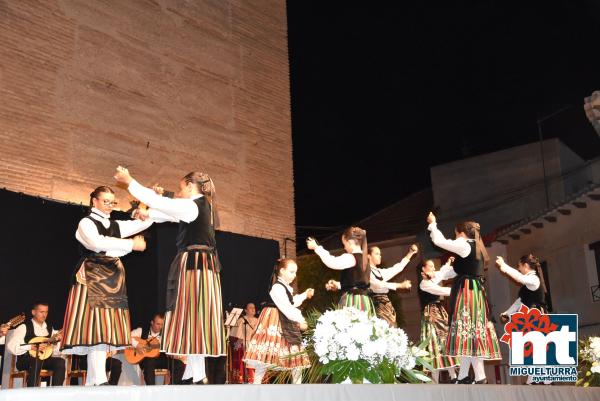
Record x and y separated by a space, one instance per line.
382 91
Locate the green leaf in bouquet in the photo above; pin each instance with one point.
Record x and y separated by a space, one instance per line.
356 375
373 376
422 377
425 363
410 376
424 343
387 372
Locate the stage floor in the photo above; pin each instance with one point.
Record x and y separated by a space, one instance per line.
305 392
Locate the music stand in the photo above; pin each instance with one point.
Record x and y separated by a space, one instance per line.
233 317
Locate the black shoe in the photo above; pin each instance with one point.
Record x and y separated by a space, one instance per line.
465 380
104 384
453 381
482 381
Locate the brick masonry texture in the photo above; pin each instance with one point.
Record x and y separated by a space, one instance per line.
164 86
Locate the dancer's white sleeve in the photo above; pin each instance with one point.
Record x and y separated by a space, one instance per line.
280 298
459 246
180 209
390 272
342 262
530 280
435 289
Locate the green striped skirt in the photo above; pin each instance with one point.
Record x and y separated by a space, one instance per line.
434 326
358 301
471 333
194 319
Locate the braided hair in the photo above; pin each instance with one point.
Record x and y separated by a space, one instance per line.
534 263
360 238
472 230
206 187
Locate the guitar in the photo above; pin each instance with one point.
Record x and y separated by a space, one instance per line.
46 352
14 322
150 349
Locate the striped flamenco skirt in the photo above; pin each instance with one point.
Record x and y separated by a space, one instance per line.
471 334
434 325
358 301
269 347
85 327
194 318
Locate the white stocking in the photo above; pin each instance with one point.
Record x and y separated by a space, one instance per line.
96 372
195 368
478 368
297 375
465 365
259 373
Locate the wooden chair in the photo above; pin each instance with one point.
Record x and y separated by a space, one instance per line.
77 373
164 373
22 374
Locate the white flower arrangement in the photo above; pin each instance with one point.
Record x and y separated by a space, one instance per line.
348 341
589 362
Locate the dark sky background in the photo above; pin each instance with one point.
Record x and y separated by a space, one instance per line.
381 91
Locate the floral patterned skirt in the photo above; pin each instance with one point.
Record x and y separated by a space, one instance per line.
471 333
269 347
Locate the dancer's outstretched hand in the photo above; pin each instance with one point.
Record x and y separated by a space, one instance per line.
499 261
331 285
140 214
139 243
311 243
158 189
122 175
303 326
309 293
449 261
431 218
405 285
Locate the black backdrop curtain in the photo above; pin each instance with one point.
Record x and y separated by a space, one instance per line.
39 252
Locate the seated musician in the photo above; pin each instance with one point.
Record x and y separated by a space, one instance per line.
148 365
37 327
